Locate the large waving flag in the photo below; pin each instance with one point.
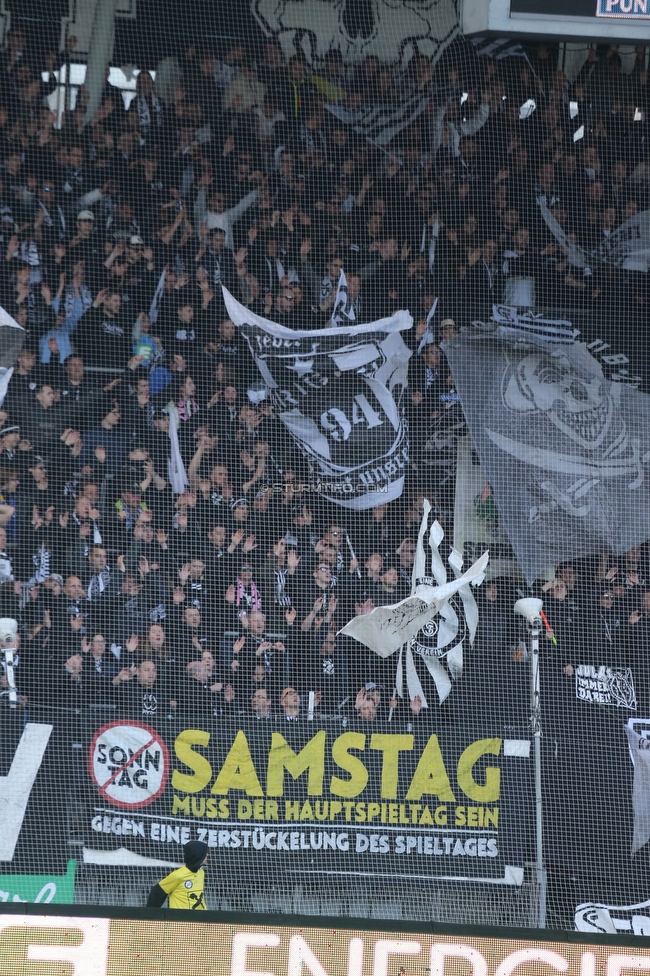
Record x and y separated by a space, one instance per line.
565 450
338 393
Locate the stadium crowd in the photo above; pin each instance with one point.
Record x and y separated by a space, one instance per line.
116 238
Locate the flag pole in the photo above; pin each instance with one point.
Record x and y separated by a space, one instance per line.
531 609
390 713
352 553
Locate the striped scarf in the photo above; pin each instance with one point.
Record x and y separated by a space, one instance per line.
253 599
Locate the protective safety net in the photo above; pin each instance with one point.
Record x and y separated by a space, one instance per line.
321 302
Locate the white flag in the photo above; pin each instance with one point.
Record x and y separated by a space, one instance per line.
155 301
343 310
386 629
338 393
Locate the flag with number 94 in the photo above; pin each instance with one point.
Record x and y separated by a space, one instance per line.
338 393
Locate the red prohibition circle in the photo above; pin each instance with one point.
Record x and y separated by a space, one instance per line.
156 737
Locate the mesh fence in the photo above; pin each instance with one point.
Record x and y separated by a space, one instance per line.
315 314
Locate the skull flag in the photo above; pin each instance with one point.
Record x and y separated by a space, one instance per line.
565 450
338 393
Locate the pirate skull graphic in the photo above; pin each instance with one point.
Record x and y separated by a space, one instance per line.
581 408
388 29
580 404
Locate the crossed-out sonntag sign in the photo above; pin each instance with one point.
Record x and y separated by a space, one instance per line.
110 947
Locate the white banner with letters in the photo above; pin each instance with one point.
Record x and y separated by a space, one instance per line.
338 393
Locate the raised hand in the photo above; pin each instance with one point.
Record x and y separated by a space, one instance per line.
101 297
416 705
127 674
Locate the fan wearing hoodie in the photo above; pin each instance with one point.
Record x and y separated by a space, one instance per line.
184 886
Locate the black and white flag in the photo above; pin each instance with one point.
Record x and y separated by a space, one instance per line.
381 123
600 684
498 48
521 324
602 919
639 745
343 313
627 247
565 450
430 624
338 393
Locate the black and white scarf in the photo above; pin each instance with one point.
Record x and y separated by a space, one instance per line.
282 599
41 560
145 108
97 536
98 583
70 298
